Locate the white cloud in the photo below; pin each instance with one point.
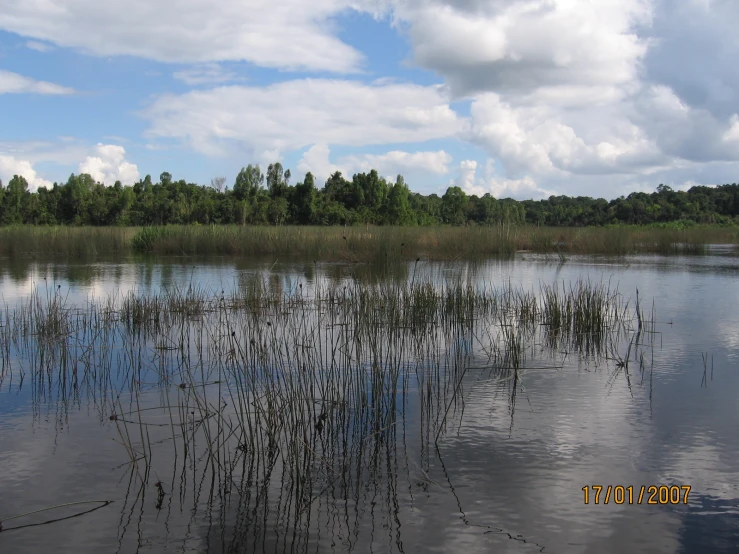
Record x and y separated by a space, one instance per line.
681 131
38 46
296 114
397 161
541 140
541 147
292 34
495 185
11 166
205 74
564 89
522 45
15 83
317 160
520 189
552 110
566 95
109 165
466 178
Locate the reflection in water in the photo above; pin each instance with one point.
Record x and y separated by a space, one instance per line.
343 412
710 525
80 509
283 415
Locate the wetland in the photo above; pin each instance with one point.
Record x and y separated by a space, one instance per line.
182 403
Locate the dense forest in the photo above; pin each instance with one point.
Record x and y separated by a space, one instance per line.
258 198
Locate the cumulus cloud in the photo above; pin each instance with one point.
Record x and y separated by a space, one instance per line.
566 95
11 166
292 34
466 178
109 165
398 161
14 83
539 140
317 160
522 45
495 185
520 189
682 131
297 114
563 90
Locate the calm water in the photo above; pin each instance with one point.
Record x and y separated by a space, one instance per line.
506 474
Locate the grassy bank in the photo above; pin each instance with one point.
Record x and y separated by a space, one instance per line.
366 244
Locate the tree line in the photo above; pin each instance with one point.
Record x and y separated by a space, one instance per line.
259 198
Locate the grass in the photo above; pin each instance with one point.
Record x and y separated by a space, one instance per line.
358 244
292 407
67 242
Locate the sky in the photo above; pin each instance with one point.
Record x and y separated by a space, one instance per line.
517 98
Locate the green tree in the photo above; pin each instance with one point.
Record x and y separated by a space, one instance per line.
12 206
304 200
336 188
249 182
398 207
277 180
277 210
165 178
453 205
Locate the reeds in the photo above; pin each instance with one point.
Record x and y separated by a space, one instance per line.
357 244
293 404
376 244
66 242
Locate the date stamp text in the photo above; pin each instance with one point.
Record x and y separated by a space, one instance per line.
645 494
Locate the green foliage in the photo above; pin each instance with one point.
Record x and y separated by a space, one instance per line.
398 206
454 203
365 199
13 200
248 184
304 201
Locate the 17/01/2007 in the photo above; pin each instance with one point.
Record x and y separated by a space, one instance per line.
645 494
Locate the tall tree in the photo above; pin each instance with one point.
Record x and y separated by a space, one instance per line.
277 180
453 205
12 206
248 183
304 200
398 206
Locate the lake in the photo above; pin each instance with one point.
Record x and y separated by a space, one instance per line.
294 406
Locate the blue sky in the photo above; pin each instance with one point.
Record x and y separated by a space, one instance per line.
520 98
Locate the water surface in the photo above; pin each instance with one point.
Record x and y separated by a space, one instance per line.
505 474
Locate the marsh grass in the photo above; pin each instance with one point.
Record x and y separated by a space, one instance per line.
293 406
377 244
63 241
358 244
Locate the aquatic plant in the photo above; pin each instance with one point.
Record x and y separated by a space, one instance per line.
357 244
292 404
